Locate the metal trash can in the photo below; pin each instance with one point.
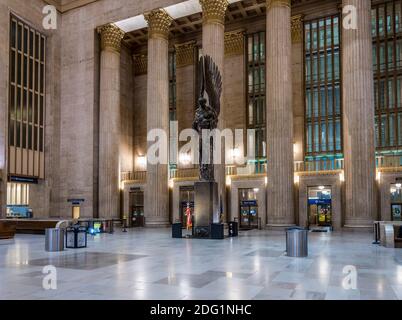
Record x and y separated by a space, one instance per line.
76 237
108 226
177 231
297 242
233 229
54 240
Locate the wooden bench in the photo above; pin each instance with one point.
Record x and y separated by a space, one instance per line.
31 226
7 230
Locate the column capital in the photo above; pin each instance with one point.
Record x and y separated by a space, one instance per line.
159 22
234 43
278 3
111 37
140 64
297 28
185 54
214 11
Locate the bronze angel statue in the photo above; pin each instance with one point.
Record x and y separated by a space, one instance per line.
207 114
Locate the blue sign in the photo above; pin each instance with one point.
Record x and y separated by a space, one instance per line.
249 203
319 201
76 201
24 180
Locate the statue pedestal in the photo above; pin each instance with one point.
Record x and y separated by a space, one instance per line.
207 209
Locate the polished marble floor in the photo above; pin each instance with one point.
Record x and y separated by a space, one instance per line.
149 264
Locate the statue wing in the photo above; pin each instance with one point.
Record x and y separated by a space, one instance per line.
201 76
213 84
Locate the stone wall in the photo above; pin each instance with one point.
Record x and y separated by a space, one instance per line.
31 12
79 95
186 104
234 92
140 119
126 111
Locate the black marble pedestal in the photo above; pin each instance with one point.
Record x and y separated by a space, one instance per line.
207 209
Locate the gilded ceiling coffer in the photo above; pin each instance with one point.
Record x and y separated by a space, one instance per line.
140 64
185 54
159 22
234 43
111 37
282 3
297 28
214 11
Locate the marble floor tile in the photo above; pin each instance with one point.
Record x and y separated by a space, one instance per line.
149 264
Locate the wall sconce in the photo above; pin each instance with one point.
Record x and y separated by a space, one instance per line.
297 179
228 181
295 148
185 159
171 183
142 162
266 181
342 177
378 176
235 153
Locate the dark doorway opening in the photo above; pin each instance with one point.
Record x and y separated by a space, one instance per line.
136 204
248 218
320 206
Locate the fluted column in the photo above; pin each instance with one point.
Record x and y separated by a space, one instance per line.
298 86
280 187
185 86
157 190
109 121
358 119
213 44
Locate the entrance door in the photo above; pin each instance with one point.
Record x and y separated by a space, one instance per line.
396 202
76 212
248 209
320 207
136 208
186 201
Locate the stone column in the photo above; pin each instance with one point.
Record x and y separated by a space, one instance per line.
233 85
109 121
280 189
157 190
213 44
358 118
298 87
140 107
185 86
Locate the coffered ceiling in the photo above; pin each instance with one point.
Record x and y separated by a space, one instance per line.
237 11
66 5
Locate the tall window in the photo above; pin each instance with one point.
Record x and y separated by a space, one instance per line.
172 85
26 100
323 113
256 91
387 60
173 150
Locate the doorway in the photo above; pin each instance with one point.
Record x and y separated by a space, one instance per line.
76 212
186 203
136 204
396 202
248 209
320 206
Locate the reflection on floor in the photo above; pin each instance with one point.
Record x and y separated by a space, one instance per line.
149 264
